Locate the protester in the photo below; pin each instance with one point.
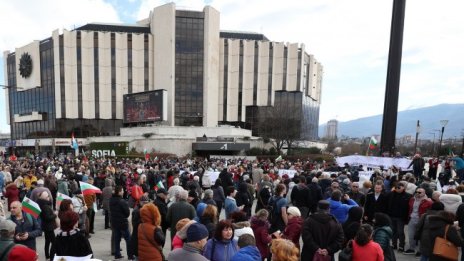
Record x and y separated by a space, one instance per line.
8 249
321 234
241 224
150 235
181 234
436 226
179 210
48 221
136 220
69 240
248 250
107 192
364 248
383 234
193 246
352 223
27 227
418 205
209 219
279 209
218 195
161 204
222 246
260 225
284 250
292 231
338 209
119 211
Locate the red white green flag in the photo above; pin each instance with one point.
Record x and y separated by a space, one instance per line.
88 189
372 143
60 197
159 185
29 206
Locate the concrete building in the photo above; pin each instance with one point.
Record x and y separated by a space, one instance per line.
331 129
75 82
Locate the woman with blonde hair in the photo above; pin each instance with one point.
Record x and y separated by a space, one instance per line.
284 250
209 219
150 234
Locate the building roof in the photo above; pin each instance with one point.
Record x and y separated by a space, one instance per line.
243 35
133 28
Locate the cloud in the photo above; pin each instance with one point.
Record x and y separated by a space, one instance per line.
350 39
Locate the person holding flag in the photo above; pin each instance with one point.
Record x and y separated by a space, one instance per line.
74 144
27 227
48 221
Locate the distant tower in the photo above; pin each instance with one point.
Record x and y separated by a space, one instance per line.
331 130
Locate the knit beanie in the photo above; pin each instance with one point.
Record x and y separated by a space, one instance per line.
196 232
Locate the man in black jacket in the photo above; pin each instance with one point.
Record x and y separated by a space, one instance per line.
321 233
301 197
398 209
119 214
160 202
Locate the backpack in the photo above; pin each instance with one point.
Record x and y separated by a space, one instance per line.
272 208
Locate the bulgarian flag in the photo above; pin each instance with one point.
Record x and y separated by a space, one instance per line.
88 189
29 206
372 143
60 197
159 185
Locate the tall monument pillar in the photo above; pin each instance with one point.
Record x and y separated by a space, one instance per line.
390 109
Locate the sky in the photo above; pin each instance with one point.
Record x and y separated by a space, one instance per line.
350 39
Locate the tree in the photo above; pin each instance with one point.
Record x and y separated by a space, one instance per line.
280 124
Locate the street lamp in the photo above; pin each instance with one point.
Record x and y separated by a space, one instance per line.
443 124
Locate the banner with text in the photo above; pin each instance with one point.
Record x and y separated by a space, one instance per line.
374 162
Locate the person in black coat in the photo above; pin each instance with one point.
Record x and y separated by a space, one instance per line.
376 201
134 242
398 210
243 198
352 224
119 214
69 240
301 197
160 202
226 179
321 233
48 219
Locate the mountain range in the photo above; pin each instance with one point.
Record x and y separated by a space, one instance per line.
429 118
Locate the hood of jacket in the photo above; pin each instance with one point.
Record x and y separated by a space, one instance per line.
451 201
436 222
386 229
257 223
242 224
323 218
149 213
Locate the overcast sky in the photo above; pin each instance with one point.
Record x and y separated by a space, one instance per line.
350 39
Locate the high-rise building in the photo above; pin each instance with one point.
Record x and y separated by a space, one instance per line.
74 82
331 129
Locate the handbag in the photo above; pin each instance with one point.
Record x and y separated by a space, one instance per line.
347 253
319 257
444 248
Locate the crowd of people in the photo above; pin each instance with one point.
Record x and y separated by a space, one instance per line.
311 215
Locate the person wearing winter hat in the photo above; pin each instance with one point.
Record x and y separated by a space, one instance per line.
293 229
69 240
9 249
197 234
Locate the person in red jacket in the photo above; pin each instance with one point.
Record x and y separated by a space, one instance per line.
11 193
260 227
293 229
418 205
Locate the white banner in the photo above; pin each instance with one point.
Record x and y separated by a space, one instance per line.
213 175
374 162
289 172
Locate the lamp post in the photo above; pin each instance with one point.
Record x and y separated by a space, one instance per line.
417 135
443 124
